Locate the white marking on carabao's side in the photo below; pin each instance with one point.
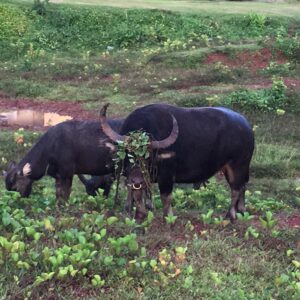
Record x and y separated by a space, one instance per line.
26 169
166 155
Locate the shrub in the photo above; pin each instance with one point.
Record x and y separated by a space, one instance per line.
192 101
13 26
289 45
13 22
69 28
262 99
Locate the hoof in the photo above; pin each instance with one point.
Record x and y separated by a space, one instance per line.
149 205
139 230
228 216
110 213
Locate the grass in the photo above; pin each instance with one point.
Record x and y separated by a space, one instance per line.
55 61
61 57
280 9
217 259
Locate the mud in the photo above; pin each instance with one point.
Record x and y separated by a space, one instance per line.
38 110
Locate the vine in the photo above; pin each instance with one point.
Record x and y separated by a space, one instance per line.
136 148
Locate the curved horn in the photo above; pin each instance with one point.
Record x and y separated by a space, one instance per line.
171 139
114 136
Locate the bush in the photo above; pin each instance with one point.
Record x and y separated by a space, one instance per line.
69 28
289 45
262 99
192 101
13 26
13 22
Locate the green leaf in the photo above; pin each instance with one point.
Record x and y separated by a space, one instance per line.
97 237
84 271
189 269
30 231
143 252
62 273
81 239
23 265
121 262
37 236
103 232
53 261
73 273
153 263
296 263
97 281
6 218
108 260
59 258
150 217
112 220
133 245
15 257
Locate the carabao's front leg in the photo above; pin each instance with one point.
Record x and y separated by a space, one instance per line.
167 204
63 189
165 184
149 201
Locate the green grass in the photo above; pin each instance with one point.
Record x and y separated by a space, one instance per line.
158 56
217 259
280 9
63 55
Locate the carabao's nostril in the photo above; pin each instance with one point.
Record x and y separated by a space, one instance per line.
136 181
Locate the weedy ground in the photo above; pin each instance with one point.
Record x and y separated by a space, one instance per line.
76 58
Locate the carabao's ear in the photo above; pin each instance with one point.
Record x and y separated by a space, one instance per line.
112 147
107 144
4 173
166 155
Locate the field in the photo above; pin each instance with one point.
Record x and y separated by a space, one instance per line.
70 58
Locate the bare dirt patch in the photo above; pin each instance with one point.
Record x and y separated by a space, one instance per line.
291 83
289 221
253 61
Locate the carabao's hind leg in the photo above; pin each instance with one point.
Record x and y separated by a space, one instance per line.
237 175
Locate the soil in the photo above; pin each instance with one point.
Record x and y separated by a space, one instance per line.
253 61
179 233
288 221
